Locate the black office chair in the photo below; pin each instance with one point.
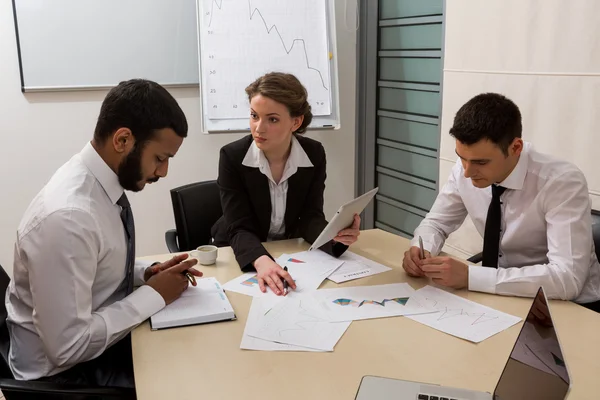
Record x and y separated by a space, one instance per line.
196 207
595 236
13 389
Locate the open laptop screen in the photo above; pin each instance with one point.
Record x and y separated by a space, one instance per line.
536 368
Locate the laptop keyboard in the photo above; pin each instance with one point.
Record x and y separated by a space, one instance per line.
434 397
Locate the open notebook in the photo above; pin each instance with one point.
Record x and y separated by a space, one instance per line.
199 304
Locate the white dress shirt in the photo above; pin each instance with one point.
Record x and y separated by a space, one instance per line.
255 158
65 303
546 235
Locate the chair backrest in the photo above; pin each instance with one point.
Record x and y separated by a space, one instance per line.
196 207
4 336
596 231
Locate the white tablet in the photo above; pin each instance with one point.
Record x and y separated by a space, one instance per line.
343 218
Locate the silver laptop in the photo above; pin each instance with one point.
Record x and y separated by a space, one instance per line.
536 369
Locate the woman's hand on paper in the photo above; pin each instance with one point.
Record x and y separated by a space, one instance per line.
269 273
349 235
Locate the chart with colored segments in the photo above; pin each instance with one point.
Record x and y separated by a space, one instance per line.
365 302
252 281
355 303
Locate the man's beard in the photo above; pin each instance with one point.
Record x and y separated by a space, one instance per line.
130 170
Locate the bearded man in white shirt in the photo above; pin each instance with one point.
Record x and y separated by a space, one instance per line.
532 210
71 303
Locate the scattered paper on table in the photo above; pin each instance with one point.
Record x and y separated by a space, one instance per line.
316 268
354 266
364 302
258 308
307 276
297 320
460 317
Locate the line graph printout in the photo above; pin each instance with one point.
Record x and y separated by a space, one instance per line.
460 317
297 320
244 39
259 307
365 302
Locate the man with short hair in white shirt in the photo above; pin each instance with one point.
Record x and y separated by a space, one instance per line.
71 303
533 211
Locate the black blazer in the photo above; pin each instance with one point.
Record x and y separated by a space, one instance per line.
246 203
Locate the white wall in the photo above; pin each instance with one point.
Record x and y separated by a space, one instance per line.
544 55
41 131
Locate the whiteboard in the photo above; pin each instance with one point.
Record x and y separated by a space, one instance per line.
240 40
83 44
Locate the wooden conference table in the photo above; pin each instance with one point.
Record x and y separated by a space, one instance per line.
206 362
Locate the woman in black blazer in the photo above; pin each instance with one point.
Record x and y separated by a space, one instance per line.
272 182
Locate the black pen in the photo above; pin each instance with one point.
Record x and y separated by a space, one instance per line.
285 283
189 277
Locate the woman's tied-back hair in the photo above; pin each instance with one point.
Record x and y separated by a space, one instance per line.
287 90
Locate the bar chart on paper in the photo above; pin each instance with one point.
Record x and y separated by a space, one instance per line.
251 281
258 35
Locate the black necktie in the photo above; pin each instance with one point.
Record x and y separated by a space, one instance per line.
127 218
491 238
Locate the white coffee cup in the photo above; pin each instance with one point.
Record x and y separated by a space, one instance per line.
206 255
